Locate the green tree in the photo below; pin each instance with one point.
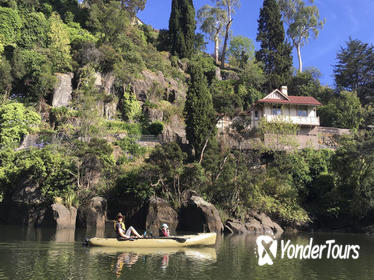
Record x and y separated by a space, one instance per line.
34 31
10 25
212 21
302 21
343 111
94 165
199 44
307 83
182 27
305 167
206 62
250 83
225 100
131 6
166 166
229 6
79 35
353 165
134 6
355 63
199 112
274 54
241 51
109 21
276 196
16 121
59 44
33 74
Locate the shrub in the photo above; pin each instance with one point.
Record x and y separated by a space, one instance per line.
15 121
34 31
132 129
130 146
60 115
170 110
79 35
131 106
156 128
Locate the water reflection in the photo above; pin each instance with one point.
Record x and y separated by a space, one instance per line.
165 261
95 232
64 235
203 253
125 258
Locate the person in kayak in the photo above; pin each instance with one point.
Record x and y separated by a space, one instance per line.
121 231
165 230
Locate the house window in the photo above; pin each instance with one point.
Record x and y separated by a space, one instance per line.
256 115
277 110
302 111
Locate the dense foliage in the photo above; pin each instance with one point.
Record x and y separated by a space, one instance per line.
134 84
16 121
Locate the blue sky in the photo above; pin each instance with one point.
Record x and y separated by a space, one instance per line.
344 18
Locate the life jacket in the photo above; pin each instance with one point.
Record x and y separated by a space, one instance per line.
122 226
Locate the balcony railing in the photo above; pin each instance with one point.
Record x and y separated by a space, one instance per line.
293 119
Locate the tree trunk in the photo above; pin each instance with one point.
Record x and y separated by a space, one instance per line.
228 26
298 47
216 48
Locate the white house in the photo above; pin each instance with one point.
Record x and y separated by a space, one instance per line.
300 110
279 105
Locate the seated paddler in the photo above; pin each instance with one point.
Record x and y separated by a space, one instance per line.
164 231
122 233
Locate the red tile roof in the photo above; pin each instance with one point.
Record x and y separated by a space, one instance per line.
300 100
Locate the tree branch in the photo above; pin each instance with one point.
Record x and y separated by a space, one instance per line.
221 168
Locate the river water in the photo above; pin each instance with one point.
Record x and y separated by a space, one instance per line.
46 254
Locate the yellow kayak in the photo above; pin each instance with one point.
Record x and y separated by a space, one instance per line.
202 239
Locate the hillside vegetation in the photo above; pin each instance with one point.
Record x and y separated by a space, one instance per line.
130 80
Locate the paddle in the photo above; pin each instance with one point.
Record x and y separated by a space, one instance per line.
178 239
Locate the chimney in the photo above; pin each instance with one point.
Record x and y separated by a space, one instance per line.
284 90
